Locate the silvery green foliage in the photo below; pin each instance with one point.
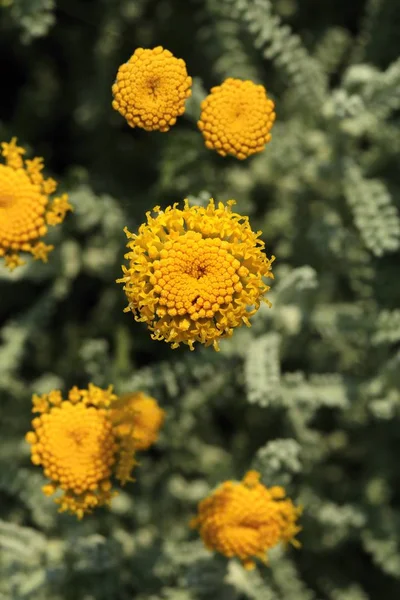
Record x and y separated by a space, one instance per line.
33 17
22 563
309 395
278 461
374 214
262 370
387 328
279 44
232 58
331 49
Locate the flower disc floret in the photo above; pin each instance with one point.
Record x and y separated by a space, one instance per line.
196 273
245 519
139 416
151 89
236 118
26 206
75 442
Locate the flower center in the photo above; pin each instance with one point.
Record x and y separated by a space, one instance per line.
238 114
78 436
78 446
6 200
239 110
196 276
154 83
197 270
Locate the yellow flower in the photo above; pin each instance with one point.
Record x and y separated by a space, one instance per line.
151 89
26 206
78 447
245 519
138 415
195 274
236 118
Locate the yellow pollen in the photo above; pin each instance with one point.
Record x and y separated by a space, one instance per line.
245 519
195 273
236 118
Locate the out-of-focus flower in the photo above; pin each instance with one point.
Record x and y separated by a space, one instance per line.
78 447
139 416
245 519
196 273
151 88
26 206
236 118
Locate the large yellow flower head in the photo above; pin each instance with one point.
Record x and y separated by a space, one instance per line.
26 206
236 118
78 447
138 415
196 273
151 89
245 519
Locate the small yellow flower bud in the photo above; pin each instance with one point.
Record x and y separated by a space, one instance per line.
245 519
151 88
236 118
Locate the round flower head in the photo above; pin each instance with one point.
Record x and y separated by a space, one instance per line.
196 273
140 416
78 447
246 519
151 89
236 118
26 206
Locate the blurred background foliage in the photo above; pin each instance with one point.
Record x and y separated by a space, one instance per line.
310 394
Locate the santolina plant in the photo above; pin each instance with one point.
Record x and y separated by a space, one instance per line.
26 206
236 118
195 274
246 519
89 438
309 395
151 88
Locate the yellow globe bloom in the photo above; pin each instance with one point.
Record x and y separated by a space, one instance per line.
139 416
245 519
151 88
236 118
75 442
26 206
196 273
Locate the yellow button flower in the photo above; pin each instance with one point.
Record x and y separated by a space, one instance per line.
26 206
151 89
78 447
245 519
138 415
236 118
195 273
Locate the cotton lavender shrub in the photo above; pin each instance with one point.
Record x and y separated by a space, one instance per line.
267 470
